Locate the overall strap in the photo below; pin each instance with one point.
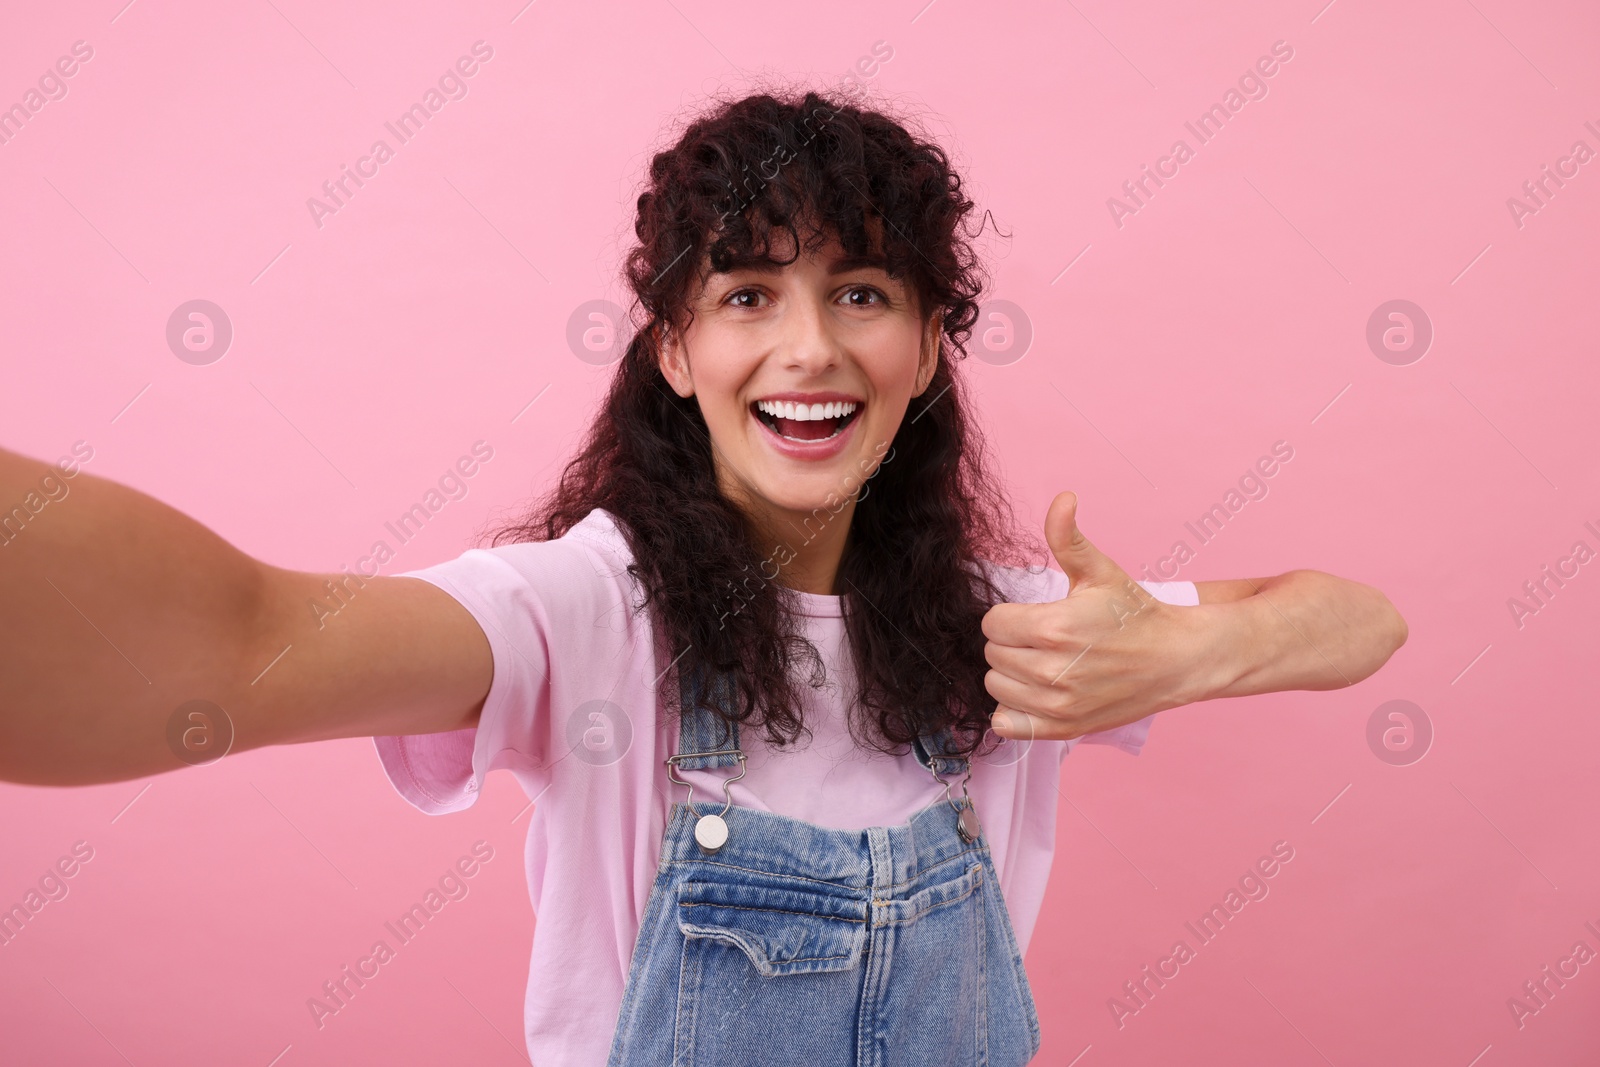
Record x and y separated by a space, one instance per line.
700 728
932 750
933 753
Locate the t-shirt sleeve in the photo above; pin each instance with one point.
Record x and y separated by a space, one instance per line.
443 772
1130 737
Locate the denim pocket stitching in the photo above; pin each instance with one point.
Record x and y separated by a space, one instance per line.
765 942
784 911
974 873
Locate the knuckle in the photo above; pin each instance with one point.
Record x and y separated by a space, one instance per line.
1057 631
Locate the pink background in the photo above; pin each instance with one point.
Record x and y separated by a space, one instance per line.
1229 313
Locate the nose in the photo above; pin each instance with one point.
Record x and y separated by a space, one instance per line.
808 344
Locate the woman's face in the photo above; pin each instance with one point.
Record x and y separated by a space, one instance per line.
803 373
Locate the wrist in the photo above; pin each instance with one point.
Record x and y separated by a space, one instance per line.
1229 643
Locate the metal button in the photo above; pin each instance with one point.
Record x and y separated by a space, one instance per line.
711 831
967 824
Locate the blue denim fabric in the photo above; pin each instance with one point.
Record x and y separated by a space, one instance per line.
800 944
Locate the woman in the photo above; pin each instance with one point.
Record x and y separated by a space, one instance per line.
778 573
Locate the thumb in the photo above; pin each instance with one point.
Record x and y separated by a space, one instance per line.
1083 563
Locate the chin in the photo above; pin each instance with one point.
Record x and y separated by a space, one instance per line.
816 493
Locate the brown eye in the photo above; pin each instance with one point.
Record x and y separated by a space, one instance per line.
863 290
739 294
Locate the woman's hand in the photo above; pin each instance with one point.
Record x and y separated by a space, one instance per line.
1110 653
1106 655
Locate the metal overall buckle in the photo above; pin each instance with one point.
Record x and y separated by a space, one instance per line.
966 816
711 831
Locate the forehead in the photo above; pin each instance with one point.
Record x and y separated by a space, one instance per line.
779 253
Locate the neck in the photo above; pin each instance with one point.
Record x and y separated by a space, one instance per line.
804 547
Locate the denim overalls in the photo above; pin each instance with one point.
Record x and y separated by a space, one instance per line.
788 943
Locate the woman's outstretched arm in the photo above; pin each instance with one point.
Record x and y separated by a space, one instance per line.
116 610
1111 654
1303 629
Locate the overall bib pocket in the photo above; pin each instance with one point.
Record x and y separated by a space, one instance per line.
779 931
767 975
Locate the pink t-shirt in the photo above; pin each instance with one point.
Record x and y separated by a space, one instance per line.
568 647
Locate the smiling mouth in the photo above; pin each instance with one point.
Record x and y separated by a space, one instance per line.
805 422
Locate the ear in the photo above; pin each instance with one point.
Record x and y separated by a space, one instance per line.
929 360
673 358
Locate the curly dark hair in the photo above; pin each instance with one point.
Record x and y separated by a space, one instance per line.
913 589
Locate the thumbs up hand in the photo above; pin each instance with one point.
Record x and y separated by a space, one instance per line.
1106 655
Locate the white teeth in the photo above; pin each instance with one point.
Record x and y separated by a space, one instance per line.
788 409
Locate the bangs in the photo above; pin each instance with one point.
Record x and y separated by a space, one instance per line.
760 191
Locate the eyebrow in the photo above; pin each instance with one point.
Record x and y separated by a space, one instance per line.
842 265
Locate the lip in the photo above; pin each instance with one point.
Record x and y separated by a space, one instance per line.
810 451
812 398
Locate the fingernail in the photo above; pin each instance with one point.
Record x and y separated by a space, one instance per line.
1003 721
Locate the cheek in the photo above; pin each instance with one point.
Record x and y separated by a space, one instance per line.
724 417
894 373
719 368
